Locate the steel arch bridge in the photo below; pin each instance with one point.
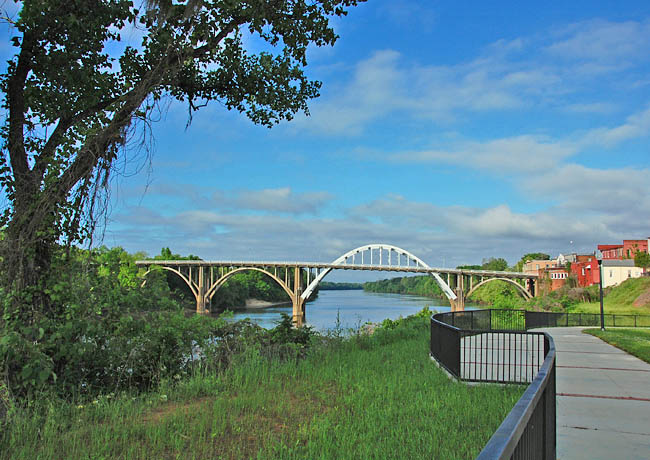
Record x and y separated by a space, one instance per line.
204 278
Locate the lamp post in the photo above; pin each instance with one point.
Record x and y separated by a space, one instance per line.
600 282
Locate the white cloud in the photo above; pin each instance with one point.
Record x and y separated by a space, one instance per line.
612 192
603 41
635 126
524 153
282 200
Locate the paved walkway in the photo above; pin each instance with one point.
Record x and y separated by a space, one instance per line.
603 399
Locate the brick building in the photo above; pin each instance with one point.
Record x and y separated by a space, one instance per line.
554 277
627 250
586 270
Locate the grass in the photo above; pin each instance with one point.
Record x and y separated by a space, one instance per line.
619 299
634 341
375 396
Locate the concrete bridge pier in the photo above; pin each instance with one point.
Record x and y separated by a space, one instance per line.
201 293
459 303
299 316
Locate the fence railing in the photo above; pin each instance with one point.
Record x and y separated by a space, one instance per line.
496 346
535 319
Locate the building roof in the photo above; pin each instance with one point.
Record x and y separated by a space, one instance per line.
605 247
618 263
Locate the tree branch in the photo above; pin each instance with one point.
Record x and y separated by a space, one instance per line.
16 105
65 123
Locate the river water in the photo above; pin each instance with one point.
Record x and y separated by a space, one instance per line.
354 308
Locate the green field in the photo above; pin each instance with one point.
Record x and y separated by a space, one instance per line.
634 341
375 396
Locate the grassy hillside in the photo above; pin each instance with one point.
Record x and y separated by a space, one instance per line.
619 299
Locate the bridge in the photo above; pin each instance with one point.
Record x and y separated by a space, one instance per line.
300 279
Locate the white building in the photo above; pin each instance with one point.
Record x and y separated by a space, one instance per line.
616 271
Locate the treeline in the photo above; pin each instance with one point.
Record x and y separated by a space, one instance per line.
413 285
329 286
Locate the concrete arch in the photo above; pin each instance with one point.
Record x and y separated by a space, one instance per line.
386 247
520 288
215 287
191 285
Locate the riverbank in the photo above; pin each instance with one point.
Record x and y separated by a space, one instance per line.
368 396
257 303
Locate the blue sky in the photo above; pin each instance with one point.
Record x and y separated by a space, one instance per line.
456 130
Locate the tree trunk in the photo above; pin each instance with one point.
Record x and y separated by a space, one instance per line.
26 261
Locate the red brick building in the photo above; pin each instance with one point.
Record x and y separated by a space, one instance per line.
611 251
625 250
554 277
586 270
630 247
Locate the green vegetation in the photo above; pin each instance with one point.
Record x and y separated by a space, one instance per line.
642 259
367 396
329 286
111 333
495 264
498 294
424 286
621 299
634 341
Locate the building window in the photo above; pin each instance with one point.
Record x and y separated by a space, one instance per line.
583 271
611 273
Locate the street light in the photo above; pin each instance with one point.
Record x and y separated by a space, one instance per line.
600 282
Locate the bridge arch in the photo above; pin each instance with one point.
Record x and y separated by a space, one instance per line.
342 260
191 285
215 287
519 287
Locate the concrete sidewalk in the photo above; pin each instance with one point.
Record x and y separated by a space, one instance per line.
603 402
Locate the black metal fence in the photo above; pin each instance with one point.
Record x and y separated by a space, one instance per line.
493 346
496 346
535 319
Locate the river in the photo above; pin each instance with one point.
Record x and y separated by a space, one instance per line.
354 308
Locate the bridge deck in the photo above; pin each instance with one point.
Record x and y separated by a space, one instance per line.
318 265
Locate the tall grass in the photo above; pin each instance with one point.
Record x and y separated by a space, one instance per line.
375 396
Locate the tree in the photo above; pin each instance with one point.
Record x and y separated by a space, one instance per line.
73 107
519 266
499 264
642 259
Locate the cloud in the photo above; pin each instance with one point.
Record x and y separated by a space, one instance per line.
282 200
580 189
603 41
635 126
273 200
375 89
520 154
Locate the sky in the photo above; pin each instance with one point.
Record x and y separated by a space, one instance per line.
458 131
